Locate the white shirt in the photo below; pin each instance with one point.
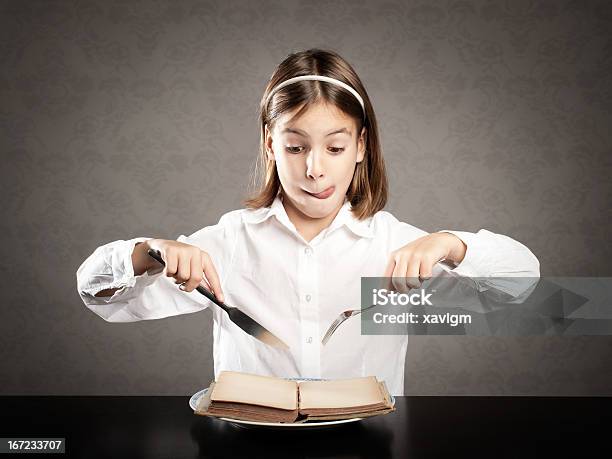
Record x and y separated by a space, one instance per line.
293 288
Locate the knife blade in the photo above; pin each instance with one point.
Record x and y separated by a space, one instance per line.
243 320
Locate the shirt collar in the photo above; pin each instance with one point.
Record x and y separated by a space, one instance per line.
344 217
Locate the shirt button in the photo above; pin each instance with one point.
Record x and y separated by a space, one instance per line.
308 251
308 297
309 340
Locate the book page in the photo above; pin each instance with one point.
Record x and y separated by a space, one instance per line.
260 390
340 393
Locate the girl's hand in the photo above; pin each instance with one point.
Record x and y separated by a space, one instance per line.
414 261
187 264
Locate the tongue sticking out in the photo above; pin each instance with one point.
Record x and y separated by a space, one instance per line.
323 194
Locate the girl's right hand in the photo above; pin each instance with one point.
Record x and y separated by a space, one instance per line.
187 264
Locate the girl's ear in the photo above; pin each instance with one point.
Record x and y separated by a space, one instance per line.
361 145
268 144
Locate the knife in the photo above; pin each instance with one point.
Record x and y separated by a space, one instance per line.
244 321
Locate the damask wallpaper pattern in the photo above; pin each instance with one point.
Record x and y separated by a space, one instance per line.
139 118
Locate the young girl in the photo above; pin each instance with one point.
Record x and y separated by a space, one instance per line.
294 257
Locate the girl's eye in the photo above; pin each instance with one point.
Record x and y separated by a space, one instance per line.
293 149
336 150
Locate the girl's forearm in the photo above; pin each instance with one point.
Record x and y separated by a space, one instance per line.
141 261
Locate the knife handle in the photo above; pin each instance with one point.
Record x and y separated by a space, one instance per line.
204 291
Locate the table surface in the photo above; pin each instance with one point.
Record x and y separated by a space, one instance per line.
165 427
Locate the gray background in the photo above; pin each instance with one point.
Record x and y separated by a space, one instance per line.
124 119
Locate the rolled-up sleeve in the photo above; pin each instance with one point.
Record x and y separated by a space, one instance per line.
110 267
490 254
497 261
149 296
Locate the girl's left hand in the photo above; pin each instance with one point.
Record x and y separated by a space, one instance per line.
413 262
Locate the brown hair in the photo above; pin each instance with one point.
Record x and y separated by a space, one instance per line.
368 189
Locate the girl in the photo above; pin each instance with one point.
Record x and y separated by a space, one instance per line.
293 258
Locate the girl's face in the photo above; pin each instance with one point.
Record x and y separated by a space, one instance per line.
315 157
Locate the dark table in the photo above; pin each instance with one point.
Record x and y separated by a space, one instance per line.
165 427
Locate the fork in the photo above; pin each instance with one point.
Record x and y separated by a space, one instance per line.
341 318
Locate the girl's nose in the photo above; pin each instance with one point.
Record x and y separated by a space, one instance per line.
314 165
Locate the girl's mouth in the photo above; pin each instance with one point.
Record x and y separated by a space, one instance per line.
323 194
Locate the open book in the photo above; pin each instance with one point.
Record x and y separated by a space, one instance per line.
253 397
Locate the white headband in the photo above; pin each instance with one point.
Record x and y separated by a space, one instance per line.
319 78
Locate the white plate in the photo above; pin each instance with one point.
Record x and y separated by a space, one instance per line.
193 403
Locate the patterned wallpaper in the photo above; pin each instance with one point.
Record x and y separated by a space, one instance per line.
139 118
